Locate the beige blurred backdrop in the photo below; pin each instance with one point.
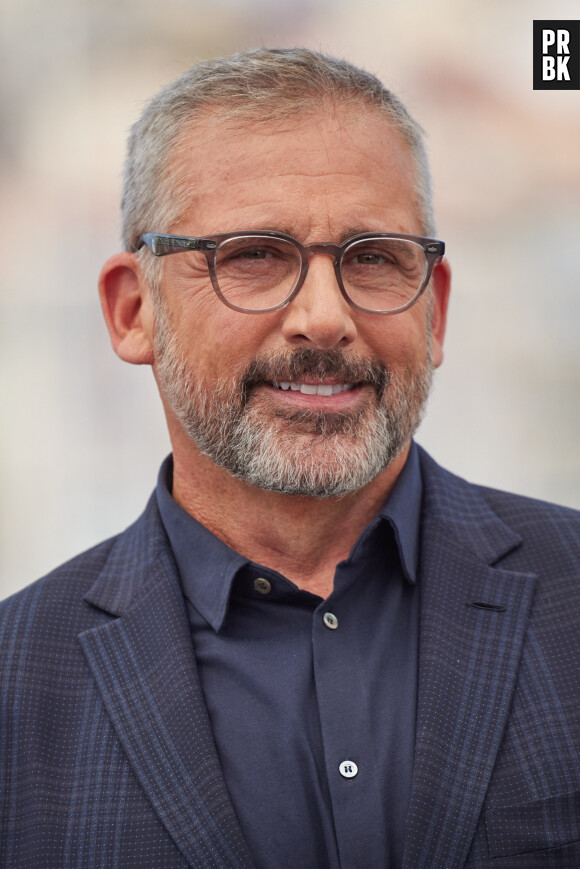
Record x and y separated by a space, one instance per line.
82 434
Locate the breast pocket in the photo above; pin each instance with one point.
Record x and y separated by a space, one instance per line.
549 823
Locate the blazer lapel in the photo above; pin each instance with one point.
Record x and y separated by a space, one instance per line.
469 658
144 667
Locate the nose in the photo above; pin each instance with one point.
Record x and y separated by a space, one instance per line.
319 316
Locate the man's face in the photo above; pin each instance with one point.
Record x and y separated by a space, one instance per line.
322 178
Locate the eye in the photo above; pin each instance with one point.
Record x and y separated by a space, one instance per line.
368 258
238 250
254 253
385 255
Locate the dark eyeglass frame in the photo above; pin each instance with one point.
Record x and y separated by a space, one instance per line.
162 244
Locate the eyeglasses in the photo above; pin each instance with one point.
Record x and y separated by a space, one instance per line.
256 272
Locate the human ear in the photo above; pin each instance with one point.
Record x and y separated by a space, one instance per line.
440 288
127 308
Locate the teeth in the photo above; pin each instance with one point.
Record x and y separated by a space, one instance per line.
313 389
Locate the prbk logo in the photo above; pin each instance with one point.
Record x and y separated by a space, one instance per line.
557 55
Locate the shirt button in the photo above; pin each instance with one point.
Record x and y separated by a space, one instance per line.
348 769
263 586
330 621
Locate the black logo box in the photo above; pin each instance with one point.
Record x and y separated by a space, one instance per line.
573 64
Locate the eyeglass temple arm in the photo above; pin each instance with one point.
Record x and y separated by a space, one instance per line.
162 245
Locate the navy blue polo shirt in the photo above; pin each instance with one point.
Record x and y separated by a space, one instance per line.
312 702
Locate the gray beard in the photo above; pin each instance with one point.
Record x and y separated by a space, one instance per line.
315 453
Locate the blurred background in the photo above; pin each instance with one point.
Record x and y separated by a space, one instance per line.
82 434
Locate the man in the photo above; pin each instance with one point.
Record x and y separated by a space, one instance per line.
315 648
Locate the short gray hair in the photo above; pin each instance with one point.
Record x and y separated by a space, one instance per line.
264 85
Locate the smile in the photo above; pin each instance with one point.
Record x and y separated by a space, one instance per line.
315 389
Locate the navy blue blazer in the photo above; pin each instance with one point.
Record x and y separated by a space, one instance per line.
107 757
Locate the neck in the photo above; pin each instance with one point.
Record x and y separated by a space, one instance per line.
303 538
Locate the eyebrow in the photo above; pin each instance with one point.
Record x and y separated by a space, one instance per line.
348 233
358 230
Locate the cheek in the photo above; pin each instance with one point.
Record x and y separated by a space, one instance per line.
221 342
194 304
401 341
187 288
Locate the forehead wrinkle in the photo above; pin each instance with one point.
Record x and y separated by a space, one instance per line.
321 180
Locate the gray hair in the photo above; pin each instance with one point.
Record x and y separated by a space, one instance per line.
263 86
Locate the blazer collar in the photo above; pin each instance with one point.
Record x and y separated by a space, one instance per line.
468 657
143 665
461 507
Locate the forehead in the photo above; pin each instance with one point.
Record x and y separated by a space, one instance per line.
342 167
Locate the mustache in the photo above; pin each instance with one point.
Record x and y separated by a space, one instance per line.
317 364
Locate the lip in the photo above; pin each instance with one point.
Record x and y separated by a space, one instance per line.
341 401
312 387
311 381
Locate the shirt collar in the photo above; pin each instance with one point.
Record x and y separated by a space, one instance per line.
402 510
208 566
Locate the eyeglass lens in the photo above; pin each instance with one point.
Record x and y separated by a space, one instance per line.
257 273
378 274
383 274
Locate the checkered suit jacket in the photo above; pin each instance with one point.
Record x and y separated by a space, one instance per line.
107 757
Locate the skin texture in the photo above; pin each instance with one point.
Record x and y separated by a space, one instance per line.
320 178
